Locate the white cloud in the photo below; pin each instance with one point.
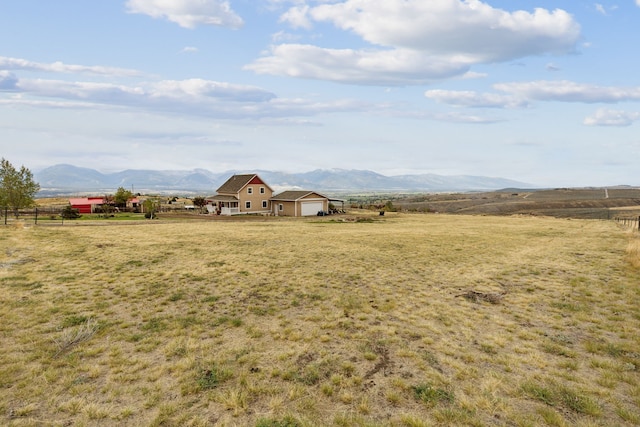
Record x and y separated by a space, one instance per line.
189 49
197 98
7 63
475 99
474 75
452 27
600 8
192 97
638 3
416 41
297 17
377 67
188 13
605 117
568 91
199 88
521 94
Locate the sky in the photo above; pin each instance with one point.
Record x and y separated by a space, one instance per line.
543 92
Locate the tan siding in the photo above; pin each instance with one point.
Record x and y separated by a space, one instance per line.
256 198
288 208
291 208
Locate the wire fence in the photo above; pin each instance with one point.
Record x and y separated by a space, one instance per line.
53 215
629 222
42 215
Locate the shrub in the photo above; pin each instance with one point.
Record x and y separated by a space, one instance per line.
70 213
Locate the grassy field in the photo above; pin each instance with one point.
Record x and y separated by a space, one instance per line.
592 203
401 320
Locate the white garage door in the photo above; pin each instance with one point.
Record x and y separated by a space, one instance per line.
311 208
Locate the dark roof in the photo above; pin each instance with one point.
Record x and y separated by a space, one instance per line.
293 195
235 183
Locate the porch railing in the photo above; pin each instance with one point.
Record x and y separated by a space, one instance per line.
229 211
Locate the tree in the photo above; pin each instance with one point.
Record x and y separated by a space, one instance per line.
121 197
200 202
389 207
17 187
70 213
107 205
150 206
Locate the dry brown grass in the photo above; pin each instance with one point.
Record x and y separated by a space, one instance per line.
633 250
317 322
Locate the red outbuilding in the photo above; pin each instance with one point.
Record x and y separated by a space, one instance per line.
86 205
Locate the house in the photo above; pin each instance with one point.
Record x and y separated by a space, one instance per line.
242 194
86 205
134 204
299 203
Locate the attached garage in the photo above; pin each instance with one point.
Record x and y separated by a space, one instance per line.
311 208
299 203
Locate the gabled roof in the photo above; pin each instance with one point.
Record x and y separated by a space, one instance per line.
238 182
293 195
86 201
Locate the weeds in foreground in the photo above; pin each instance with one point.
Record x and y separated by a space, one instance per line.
72 336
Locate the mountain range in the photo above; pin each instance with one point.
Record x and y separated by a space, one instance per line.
66 179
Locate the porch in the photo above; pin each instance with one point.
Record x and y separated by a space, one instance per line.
223 205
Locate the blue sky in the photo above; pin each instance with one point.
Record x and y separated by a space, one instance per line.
545 92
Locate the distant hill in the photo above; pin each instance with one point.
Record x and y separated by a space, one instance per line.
64 179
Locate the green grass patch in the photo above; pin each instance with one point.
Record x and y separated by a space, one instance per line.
287 421
212 376
557 395
431 395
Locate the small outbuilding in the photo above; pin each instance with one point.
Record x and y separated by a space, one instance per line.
86 205
299 203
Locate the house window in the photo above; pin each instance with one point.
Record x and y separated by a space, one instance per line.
280 207
250 190
247 205
264 204
262 190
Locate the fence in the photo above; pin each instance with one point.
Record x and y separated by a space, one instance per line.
41 215
632 223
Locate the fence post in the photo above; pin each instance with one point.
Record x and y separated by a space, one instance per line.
36 220
6 210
